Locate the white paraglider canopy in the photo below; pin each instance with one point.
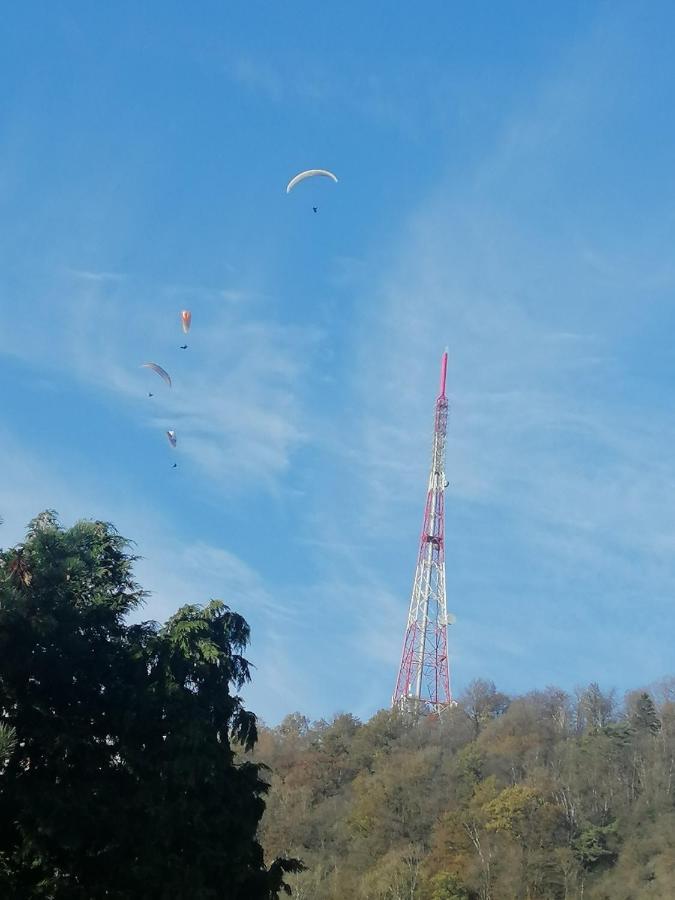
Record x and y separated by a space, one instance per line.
309 173
163 374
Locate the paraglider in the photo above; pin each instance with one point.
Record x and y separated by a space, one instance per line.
186 320
172 437
159 370
309 173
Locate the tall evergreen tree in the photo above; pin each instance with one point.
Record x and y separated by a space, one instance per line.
643 716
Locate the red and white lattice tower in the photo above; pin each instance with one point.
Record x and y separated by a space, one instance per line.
423 683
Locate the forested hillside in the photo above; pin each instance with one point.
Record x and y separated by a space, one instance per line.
541 796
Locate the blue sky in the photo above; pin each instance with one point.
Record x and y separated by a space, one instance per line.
507 188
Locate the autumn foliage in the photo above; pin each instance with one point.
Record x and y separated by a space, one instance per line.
548 795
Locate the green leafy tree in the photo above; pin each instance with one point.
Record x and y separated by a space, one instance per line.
446 886
122 782
596 846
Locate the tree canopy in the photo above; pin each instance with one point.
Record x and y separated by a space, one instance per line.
118 772
545 796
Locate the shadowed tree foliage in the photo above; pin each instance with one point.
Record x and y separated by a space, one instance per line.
118 776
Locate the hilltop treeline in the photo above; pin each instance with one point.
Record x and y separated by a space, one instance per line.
541 796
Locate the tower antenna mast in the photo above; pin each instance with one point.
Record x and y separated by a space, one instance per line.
423 682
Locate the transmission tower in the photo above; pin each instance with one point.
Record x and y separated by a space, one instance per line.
423 683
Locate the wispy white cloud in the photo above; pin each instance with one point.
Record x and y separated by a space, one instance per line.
522 372
547 461
258 75
174 571
559 489
87 275
410 99
236 402
238 408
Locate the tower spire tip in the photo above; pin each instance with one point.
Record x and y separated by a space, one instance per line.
444 371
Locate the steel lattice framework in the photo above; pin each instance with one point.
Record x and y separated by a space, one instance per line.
423 682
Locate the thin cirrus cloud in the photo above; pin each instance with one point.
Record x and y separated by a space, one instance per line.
519 230
235 398
560 509
528 348
173 571
238 410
